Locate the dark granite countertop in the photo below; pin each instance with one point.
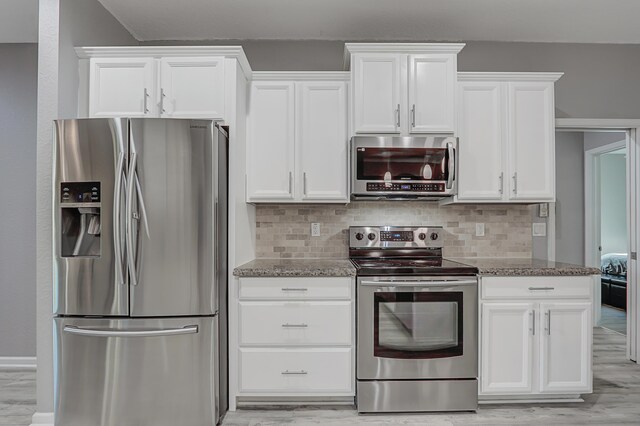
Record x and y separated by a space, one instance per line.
296 268
512 267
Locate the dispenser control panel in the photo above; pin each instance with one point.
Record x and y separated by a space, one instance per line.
80 192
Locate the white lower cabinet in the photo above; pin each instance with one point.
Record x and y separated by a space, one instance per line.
296 371
296 338
535 337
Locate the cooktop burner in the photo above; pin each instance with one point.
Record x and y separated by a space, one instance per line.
424 266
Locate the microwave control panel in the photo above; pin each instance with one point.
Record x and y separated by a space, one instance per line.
405 187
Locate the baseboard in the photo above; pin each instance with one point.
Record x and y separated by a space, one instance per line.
42 419
18 363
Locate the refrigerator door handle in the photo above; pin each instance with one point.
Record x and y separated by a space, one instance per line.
131 261
117 198
190 329
143 210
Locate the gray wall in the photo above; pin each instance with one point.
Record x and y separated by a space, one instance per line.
18 100
570 197
83 23
600 81
62 25
613 203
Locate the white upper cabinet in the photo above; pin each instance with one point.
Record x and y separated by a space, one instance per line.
506 131
376 81
432 93
192 87
123 87
297 149
322 140
481 141
270 149
403 88
532 137
132 81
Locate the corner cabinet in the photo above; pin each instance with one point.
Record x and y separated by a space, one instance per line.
535 337
297 138
403 88
179 82
506 130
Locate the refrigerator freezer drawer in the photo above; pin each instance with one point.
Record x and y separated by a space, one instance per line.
136 372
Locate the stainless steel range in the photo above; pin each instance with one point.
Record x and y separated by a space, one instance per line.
417 322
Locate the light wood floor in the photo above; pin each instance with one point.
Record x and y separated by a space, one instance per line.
615 401
614 319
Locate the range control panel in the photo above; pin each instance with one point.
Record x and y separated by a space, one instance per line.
405 187
80 192
395 236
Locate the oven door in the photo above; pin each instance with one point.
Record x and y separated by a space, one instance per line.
403 166
422 328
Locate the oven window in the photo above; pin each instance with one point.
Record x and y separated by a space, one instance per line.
418 325
402 164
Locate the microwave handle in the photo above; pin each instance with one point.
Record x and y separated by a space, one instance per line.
452 165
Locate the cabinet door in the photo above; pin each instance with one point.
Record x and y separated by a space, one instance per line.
322 141
192 87
432 93
270 148
481 141
531 141
122 87
565 347
376 93
507 347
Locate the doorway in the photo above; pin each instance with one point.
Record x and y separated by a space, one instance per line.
588 212
606 230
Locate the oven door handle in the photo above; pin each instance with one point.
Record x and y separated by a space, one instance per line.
423 283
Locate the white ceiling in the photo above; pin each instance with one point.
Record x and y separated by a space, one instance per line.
18 21
580 21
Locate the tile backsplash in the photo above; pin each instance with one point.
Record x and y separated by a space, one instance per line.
284 230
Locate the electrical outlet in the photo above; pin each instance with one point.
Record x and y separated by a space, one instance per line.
539 229
479 229
315 229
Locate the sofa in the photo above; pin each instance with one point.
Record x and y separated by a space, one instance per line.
613 280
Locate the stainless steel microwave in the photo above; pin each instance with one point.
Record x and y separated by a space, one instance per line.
391 167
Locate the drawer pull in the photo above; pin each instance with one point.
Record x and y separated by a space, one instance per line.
289 373
294 289
295 325
541 288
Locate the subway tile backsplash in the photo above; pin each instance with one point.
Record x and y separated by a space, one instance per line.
284 230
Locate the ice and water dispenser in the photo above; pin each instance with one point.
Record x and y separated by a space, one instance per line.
80 217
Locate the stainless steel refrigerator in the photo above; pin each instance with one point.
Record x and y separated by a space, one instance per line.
140 272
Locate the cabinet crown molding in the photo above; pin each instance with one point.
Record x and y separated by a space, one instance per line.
509 76
301 75
406 48
163 51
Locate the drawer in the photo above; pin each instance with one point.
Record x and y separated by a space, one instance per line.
536 287
296 288
296 323
296 371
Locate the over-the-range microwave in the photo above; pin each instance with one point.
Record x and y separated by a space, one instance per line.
403 168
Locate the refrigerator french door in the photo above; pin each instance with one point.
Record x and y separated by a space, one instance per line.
140 261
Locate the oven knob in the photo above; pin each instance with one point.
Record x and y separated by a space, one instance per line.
434 236
359 236
422 235
371 236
